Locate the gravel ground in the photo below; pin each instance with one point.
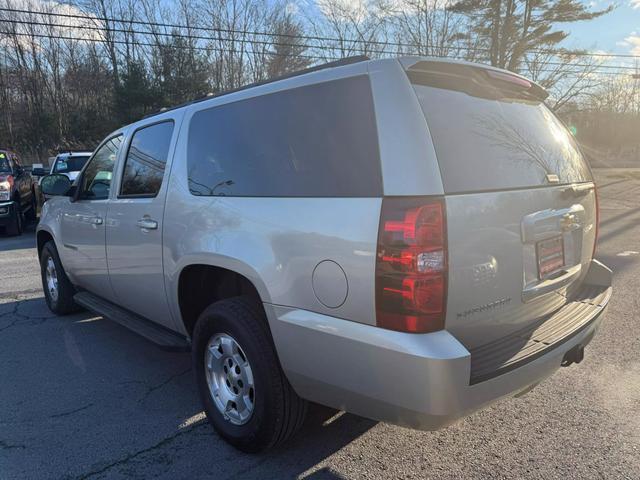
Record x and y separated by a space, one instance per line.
81 397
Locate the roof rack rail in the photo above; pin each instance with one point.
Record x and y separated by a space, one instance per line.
335 63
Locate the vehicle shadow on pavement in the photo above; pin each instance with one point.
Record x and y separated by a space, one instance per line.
618 231
618 263
88 398
26 240
325 432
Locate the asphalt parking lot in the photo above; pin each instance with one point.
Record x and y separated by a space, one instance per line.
82 397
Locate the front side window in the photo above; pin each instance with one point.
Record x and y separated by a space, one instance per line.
96 180
146 159
314 141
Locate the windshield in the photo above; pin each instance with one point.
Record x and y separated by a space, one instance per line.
70 164
491 135
5 166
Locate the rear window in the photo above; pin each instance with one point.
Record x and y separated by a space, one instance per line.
70 164
312 141
491 134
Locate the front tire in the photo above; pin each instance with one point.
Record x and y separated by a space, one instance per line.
58 289
32 214
245 394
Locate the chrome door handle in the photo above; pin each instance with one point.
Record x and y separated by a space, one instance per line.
147 224
578 190
96 221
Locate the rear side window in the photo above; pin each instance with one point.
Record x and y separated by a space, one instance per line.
490 136
146 159
313 141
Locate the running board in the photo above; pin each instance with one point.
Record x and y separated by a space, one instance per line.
162 337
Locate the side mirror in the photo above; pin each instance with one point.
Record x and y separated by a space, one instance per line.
38 172
55 185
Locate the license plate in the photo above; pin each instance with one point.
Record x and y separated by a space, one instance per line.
550 254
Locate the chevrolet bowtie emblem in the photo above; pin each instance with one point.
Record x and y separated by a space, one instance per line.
569 222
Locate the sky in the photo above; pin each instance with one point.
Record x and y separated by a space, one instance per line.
616 32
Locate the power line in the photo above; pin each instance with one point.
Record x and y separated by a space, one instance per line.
192 27
200 37
618 68
231 50
136 43
306 37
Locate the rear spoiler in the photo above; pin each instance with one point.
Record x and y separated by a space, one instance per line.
474 79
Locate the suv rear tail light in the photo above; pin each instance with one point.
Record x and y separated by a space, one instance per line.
505 77
411 265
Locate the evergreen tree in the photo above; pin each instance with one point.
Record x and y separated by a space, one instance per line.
509 29
181 71
288 49
135 95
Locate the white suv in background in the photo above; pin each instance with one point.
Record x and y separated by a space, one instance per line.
70 163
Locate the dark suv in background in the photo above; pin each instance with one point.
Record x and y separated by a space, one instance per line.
17 194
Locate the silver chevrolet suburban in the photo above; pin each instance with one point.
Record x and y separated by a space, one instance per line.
405 239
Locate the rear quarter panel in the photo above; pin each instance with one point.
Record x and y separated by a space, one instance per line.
408 158
276 243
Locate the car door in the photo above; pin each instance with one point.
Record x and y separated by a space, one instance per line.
82 225
134 223
23 181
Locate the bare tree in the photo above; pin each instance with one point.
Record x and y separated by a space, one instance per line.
347 28
568 76
427 27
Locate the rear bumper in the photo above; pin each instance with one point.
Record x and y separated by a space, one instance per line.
7 213
421 381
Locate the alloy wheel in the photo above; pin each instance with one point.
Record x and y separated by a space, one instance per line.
230 379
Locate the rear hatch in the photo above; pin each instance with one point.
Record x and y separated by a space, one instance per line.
520 201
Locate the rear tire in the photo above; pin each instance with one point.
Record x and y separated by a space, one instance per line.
276 410
58 289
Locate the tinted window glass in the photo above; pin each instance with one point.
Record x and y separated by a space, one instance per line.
146 159
4 163
490 138
96 179
70 164
318 140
